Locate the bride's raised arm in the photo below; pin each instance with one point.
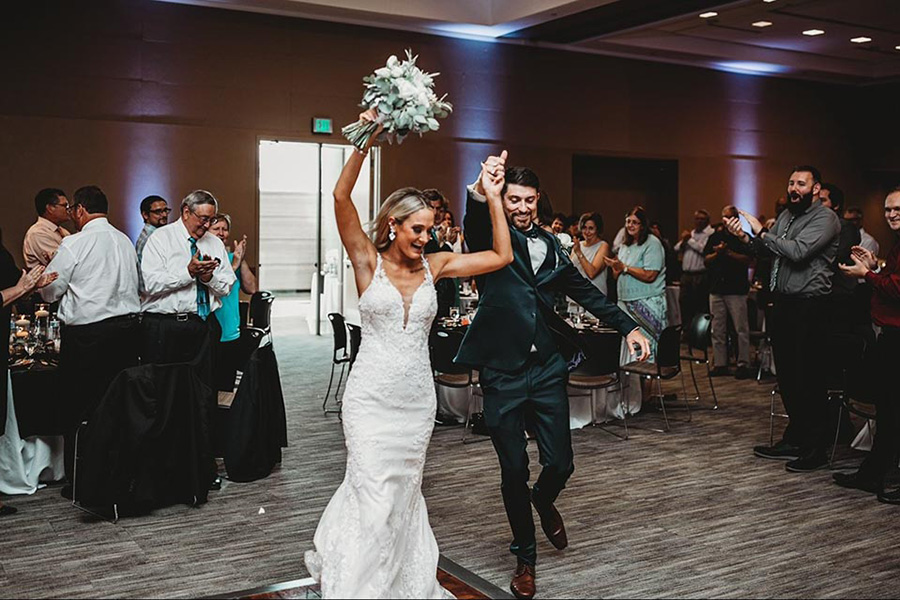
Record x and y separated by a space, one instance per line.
451 264
360 248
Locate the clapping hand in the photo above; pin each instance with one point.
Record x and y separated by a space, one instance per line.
202 267
240 249
755 225
733 225
859 268
636 338
35 278
615 264
867 257
493 176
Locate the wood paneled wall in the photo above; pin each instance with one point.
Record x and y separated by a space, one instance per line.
145 97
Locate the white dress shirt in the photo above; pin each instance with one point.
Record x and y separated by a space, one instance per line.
168 286
693 260
98 276
868 242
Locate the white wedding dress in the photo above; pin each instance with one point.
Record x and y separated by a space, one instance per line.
374 539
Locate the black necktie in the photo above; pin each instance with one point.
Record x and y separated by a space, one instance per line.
531 233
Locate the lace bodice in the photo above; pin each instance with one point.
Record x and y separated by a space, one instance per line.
388 323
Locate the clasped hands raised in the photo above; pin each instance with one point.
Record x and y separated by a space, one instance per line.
202 267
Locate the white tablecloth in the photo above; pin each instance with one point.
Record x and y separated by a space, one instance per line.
26 465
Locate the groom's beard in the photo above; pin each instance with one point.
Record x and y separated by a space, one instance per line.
798 204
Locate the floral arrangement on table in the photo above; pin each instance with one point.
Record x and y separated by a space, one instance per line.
403 95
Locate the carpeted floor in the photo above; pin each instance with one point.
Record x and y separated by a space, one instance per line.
690 513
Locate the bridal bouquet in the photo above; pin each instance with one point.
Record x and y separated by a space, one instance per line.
403 95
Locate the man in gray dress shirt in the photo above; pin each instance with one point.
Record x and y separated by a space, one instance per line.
803 243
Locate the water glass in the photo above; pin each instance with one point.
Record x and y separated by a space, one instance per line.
454 313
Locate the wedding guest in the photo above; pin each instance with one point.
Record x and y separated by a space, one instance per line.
694 291
673 265
842 286
803 244
727 260
558 225
155 212
447 289
450 233
886 314
230 348
620 235
854 214
640 274
545 212
97 290
44 237
589 255
14 284
573 228
186 275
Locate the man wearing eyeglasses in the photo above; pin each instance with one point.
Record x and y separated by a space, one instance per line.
44 237
186 273
155 212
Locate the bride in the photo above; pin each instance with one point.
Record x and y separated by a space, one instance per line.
374 539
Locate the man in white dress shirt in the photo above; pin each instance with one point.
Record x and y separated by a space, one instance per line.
186 273
97 290
694 292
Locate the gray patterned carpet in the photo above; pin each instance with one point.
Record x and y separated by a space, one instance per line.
686 514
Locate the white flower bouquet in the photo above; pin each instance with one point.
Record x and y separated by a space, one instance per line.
403 96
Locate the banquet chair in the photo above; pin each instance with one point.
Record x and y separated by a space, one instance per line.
259 314
75 502
340 355
444 346
667 366
698 339
773 414
850 392
598 371
759 334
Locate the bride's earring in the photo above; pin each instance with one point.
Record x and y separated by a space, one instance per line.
392 235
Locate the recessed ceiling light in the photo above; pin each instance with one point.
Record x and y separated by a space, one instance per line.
861 39
709 15
762 24
813 32
768 1
896 47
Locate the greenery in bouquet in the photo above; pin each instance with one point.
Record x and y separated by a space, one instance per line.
403 96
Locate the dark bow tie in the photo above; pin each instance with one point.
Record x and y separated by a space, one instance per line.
532 233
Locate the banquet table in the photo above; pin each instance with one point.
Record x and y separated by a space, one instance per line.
31 449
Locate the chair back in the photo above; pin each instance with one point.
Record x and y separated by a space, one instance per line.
444 346
355 341
603 351
668 349
700 333
340 335
260 311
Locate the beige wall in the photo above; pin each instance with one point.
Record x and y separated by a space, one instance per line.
146 97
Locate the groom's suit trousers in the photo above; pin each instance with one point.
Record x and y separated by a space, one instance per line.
532 396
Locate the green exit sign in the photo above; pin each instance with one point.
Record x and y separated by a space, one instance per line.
321 125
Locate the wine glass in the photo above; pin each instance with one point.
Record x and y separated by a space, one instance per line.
454 313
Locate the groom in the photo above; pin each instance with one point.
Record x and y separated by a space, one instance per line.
516 340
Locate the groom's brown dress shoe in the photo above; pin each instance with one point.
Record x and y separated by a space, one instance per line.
552 524
522 585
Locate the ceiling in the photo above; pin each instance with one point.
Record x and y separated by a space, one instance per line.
657 30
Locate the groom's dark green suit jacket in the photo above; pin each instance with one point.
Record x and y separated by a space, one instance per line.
515 308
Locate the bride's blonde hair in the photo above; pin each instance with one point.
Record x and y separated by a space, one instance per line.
400 205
